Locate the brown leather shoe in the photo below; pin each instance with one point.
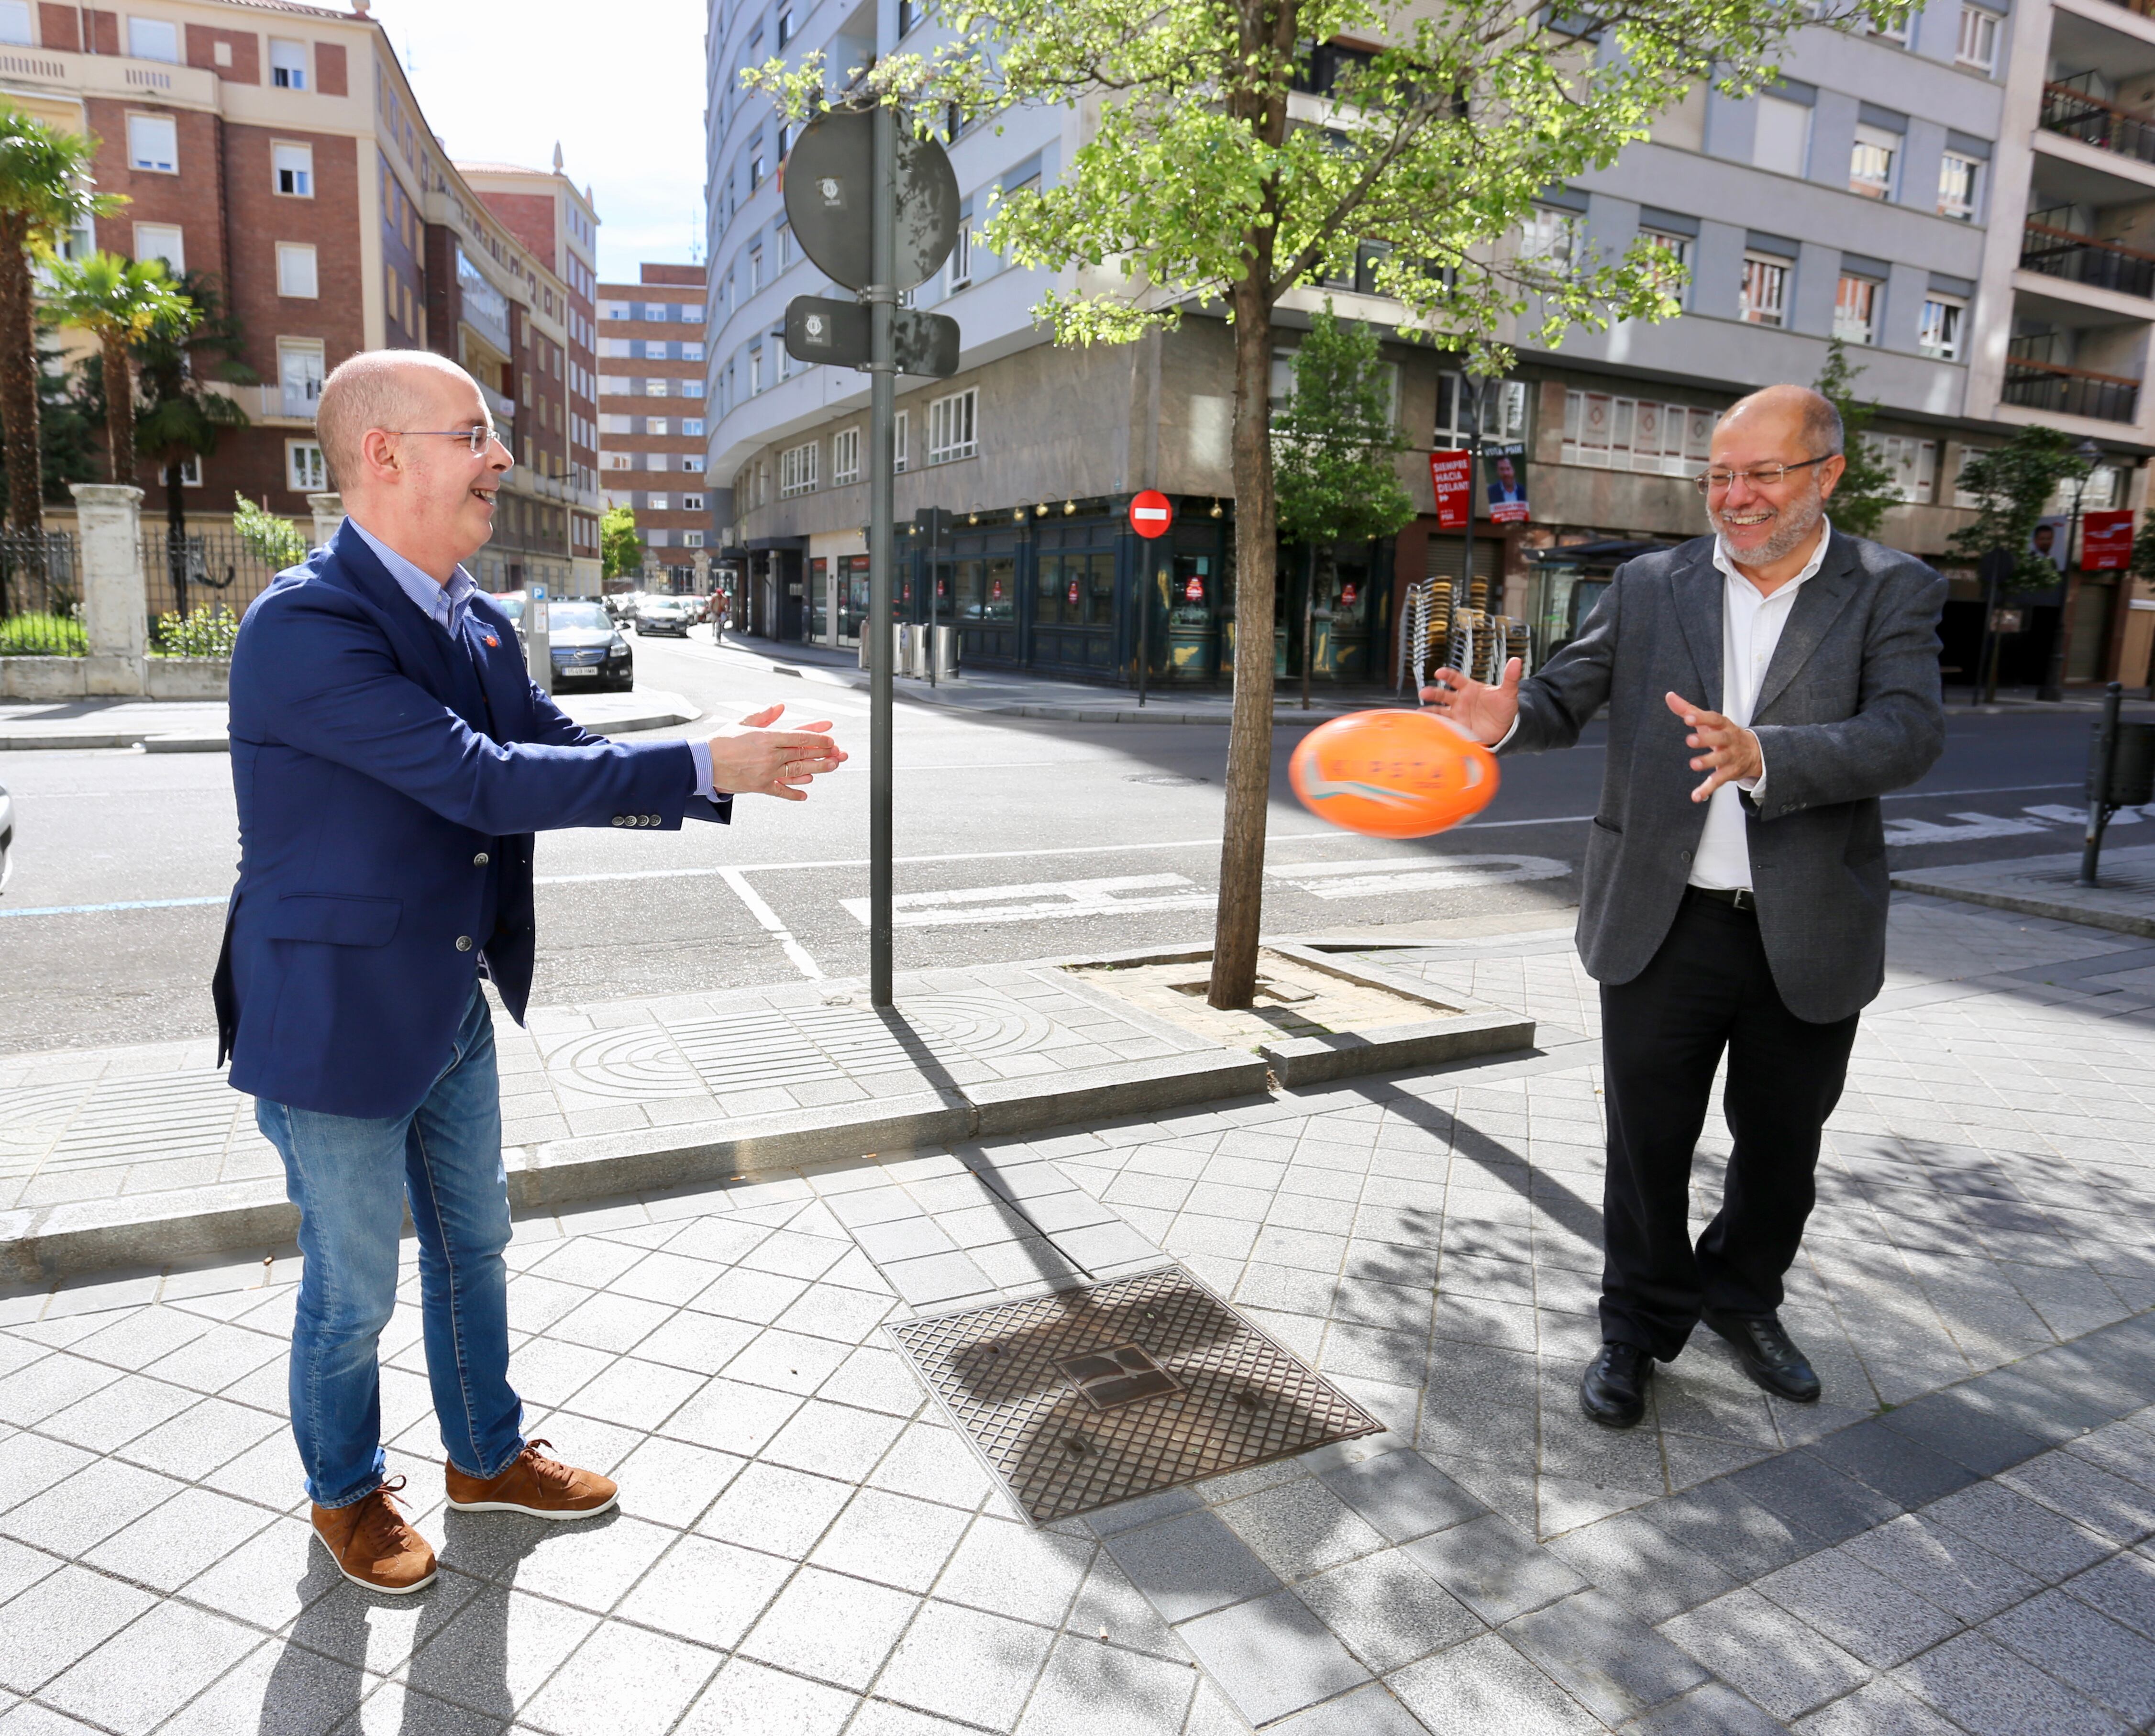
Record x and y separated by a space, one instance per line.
544 1488
371 1545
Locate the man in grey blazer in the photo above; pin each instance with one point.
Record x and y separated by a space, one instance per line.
1765 686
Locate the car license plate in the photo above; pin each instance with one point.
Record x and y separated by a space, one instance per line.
571 669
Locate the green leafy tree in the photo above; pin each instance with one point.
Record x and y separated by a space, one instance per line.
1417 161
68 420
273 540
45 192
119 302
180 416
2012 484
1868 487
620 549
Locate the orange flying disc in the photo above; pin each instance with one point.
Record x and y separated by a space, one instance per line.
1392 774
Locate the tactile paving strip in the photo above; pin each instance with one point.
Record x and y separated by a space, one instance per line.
1243 1399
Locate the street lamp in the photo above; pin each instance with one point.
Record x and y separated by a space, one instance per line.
2054 677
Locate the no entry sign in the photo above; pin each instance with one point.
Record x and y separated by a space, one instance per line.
1151 513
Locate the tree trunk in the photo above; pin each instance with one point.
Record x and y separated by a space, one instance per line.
176 500
1250 738
120 411
19 377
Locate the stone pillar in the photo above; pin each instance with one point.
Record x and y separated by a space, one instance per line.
329 514
115 602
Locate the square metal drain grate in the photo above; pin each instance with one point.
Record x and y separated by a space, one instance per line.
1109 1392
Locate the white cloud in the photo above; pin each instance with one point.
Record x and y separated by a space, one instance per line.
620 85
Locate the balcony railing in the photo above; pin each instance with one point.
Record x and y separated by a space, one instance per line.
2084 259
2074 113
2065 391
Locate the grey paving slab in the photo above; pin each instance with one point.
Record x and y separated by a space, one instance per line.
1794 1671
1485 1685
1604 1656
1272 1656
1190 1564
1388 1611
1988 1690
1494 1568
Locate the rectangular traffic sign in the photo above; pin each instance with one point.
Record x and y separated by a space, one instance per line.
820 330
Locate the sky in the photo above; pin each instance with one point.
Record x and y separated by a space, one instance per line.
619 84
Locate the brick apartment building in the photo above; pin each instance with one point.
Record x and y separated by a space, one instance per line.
652 442
279 147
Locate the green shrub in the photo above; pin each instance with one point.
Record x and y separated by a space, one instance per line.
269 538
43 635
205 632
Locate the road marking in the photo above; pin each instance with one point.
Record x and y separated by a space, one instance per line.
768 917
1971 828
1386 874
2078 816
125 904
1039 901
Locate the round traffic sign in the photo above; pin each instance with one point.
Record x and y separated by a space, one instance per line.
1151 513
828 177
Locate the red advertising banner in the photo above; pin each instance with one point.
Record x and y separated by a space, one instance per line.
1450 473
2106 541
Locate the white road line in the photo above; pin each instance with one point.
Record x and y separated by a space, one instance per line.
1039 901
1386 874
768 918
1971 828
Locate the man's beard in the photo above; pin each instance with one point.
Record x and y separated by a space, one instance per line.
1795 527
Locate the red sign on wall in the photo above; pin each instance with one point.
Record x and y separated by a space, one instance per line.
2106 541
1151 513
1073 592
1193 591
1451 474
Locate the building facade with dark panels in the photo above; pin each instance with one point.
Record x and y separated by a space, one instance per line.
278 147
653 438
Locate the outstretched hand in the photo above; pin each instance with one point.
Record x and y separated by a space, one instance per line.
1484 712
759 761
1729 752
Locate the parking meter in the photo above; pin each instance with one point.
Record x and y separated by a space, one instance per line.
538 648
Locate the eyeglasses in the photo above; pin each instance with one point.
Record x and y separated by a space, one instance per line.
476 439
1759 476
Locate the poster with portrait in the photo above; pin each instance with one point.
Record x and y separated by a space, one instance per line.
2047 541
1508 483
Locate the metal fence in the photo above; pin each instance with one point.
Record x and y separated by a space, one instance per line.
40 595
213 571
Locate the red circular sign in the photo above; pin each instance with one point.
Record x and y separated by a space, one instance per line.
1151 513
1195 591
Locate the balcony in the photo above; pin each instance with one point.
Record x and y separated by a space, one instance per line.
2073 113
2083 259
504 407
2063 390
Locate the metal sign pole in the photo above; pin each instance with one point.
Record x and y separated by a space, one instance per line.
883 303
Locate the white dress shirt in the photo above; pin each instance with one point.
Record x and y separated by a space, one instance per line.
1751 628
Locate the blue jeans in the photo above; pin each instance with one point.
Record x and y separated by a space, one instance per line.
350 1177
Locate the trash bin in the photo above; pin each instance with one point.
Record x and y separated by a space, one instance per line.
946 653
2132 766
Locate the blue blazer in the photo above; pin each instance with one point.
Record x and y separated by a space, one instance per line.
389 783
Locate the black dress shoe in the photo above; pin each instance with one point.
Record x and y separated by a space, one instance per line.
1613 1391
1769 1356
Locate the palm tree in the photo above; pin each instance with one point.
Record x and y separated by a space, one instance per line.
119 302
44 193
182 418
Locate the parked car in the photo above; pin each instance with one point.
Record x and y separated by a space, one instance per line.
6 836
589 650
673 615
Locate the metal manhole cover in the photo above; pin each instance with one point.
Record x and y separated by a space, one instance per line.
1165 777
1104 1393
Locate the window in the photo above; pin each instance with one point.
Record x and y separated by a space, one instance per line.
153 40
153 143
162 241
692 427
191 476
898 434
1503 409
1957 185
1548 236
785 27
1782 139
295 269
1895 28
961 254
654 388
950 426
15 22
1856 310
613 311
692 502
755 270
692 352
1765 289
755 372
758 166
692 388
655 425
294 169
299 375
692 461
1914 462
1676 278
1870 164
796 469
691 539
1619 433
305 469
1939 333
655 503
288 64
845 456
1979 39
616 460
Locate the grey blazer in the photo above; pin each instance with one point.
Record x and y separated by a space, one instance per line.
1849 708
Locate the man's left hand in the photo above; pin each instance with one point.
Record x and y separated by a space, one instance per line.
1728 751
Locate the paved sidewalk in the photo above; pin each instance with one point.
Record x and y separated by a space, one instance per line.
1956 1539
2123 901
198 725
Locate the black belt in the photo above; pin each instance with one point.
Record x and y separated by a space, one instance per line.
1737 897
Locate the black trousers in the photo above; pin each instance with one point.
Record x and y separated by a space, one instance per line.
1708 989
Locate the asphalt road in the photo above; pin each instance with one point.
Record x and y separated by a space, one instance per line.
1015 839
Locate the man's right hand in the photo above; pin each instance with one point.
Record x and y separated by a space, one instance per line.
1484 712
762 761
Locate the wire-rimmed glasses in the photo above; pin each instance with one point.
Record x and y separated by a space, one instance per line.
475 438
1759 476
